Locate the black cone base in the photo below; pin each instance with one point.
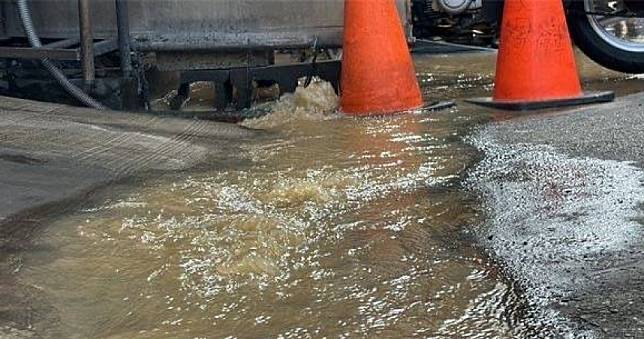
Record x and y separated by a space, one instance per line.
438 105
586 99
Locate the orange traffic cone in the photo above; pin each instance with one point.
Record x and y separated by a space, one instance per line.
536 64
378 76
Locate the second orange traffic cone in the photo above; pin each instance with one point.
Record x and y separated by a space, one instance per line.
378 75
536 64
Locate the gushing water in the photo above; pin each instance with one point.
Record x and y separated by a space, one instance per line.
313 103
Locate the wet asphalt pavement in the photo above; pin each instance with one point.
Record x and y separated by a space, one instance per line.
563 194
612 131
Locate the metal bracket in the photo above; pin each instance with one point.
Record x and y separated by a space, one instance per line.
58 50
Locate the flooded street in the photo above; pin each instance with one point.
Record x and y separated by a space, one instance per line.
355 231
321 226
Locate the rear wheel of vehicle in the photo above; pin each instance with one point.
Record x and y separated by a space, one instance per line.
613 42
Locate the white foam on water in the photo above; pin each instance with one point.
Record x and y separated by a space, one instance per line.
316 102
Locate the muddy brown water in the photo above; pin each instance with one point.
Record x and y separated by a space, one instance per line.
324 226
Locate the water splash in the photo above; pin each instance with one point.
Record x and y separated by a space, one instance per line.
316 102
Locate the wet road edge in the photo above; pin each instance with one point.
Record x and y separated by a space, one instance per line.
563 197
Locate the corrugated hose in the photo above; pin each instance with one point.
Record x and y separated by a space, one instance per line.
34 41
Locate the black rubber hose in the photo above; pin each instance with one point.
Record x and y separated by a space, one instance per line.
34 41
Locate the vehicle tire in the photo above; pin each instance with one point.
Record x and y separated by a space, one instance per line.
599 46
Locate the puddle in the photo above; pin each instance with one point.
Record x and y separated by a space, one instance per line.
325 226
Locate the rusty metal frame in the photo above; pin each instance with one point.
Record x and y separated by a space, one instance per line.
242 79
87 41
